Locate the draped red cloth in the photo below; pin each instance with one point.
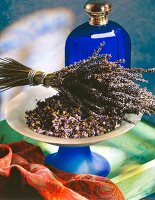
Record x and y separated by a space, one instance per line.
23 175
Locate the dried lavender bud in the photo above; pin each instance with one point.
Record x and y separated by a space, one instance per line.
55 117
95 88
95 94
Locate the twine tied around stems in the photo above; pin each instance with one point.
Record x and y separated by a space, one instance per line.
31 76
43 80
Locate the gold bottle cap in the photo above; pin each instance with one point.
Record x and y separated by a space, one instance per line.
98 11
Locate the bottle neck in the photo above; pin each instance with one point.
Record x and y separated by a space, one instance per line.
98 20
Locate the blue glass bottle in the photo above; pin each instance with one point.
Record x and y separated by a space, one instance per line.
82 41
81 44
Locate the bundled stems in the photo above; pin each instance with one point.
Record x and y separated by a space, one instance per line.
94 85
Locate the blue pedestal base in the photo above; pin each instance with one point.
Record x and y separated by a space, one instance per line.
79 160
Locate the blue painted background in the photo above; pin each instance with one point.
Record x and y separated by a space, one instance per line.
136 16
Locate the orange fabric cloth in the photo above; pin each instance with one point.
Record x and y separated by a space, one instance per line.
24 176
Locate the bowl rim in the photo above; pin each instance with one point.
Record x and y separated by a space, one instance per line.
15 116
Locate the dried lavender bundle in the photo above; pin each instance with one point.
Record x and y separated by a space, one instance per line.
93 90
97 97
